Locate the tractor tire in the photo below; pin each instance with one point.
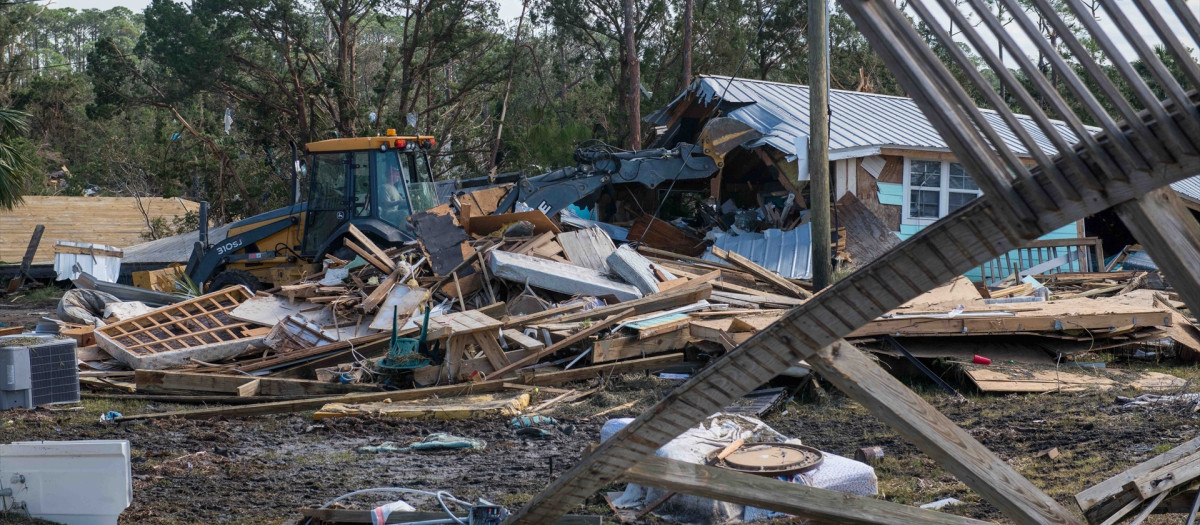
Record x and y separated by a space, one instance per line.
229 278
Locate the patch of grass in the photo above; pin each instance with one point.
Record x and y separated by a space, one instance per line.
43 295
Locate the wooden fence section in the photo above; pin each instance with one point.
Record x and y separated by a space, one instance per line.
115 221
1123 166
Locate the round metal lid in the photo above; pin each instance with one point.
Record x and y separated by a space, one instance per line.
772 459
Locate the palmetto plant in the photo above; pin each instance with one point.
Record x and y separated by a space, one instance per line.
16 164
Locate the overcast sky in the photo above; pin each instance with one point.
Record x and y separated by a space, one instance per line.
511 9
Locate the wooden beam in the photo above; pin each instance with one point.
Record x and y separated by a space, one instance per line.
811 505
1171 235
495 385
682 296
171 381
1107 498
606 350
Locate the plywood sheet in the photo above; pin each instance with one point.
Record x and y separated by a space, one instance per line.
115 221
1049 379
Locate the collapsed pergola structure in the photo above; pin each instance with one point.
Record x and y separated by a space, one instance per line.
1147 145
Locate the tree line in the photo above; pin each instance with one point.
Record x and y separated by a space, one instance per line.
205 99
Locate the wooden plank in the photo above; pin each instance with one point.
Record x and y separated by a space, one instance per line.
518 338
523 320
491 349
565 343
387 264
1101 499
536 379
809 504
1171 236
618 348
250 388
81 250
681 296
173 381
762 273
380 264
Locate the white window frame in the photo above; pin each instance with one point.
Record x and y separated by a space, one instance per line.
943 192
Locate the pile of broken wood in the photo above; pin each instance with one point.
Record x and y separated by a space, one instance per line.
513 298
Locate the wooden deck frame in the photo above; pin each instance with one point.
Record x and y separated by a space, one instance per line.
1127 160
199 328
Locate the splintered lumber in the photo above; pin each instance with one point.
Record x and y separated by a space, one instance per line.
464 407
386 265
371 258
523 320
381 292
809 504
587 248
1010 378
667 300
1057 316
534 379
565 343
606 350
171 381
199 328
1117 496
558 277
1171 236
762 273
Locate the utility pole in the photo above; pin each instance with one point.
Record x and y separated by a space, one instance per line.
818 140
686 79
635 80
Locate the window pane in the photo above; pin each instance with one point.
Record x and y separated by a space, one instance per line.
959 199
362 183
923 204
959 180
926 174
393 204
329 181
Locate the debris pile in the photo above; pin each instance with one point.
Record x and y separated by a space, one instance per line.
520 299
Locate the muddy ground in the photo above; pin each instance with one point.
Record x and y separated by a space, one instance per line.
261 469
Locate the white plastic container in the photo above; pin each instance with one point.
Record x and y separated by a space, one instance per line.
72 482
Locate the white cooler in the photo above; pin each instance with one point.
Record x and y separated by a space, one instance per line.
72 482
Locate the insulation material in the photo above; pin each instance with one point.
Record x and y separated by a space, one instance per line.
694 445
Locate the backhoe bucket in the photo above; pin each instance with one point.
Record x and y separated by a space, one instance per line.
722 134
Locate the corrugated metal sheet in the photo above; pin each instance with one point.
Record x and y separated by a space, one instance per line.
858 120
786 253
1188 188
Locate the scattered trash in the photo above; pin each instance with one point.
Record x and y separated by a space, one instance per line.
941 504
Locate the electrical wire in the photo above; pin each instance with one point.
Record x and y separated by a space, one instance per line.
439 495
761 22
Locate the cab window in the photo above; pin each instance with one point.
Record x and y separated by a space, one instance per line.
390 188
420 187
329 181
361 173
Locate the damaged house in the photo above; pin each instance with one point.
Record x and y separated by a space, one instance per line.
884 153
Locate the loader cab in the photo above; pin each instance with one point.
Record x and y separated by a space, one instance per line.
376 183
